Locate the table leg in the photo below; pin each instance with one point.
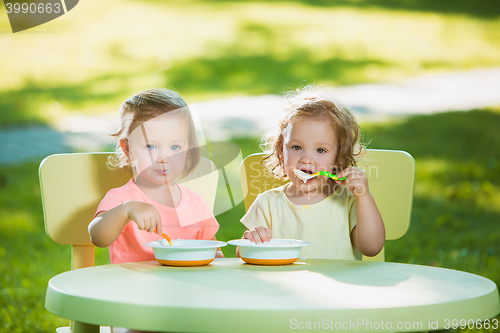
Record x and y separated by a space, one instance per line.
79 327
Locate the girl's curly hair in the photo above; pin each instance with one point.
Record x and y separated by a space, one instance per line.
309 103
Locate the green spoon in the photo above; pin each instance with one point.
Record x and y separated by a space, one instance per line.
305 176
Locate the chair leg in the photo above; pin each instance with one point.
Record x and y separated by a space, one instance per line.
84 328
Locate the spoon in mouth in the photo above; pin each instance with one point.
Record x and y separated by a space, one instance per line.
305 176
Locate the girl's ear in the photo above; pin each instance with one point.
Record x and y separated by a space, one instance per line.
279 150
125 147
281 157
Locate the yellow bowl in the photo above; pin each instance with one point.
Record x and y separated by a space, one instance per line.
185 252
276 252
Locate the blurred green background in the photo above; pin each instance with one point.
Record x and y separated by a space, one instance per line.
91 59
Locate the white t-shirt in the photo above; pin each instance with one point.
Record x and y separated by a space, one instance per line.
326 224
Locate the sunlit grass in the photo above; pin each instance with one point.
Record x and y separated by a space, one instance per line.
102 52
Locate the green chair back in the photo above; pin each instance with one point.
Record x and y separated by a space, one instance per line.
391 178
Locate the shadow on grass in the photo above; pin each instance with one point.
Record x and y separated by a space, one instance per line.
235 74
30 104
228 75
480 8
263 74
467 141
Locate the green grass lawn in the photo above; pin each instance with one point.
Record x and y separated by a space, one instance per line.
95 57
455 220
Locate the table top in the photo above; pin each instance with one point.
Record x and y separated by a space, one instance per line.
231 296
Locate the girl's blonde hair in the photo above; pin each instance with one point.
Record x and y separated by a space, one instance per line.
146 106
309 103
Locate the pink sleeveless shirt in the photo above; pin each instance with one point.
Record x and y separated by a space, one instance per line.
191 219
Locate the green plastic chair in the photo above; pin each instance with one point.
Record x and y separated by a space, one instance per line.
72 185
391 178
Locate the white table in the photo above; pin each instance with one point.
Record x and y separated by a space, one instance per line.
230 296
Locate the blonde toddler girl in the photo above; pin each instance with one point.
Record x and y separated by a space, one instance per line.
158 141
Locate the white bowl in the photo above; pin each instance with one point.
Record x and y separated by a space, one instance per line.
185 252
275 252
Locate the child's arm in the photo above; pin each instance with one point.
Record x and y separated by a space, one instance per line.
256 220
369 233
107 226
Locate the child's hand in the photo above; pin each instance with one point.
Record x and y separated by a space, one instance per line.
258 235
356 181
146 216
